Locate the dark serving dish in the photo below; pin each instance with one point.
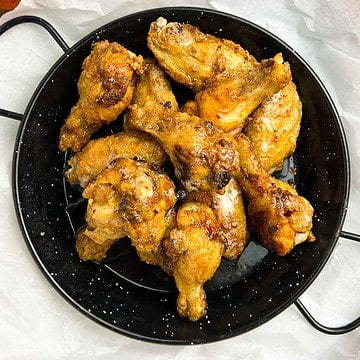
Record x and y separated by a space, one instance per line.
131 297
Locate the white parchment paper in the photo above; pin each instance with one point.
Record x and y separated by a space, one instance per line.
36 323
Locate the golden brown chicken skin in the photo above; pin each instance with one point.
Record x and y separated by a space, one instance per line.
276 212
202 155
193 58
98 154
190 107
228 103
88 249
130 199
205 159
105 87
227 205
229 210
274 127
154 87
229 82
193 251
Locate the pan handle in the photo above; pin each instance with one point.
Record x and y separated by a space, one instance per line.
49 28
316 324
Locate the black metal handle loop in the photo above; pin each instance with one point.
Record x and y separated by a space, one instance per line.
350 236
49 28
316 324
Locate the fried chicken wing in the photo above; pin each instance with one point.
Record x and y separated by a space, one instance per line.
277 213
193 58
88 249
203 156
130 199
102 218
105 86
100 153
229 82
229 210
227 205
274 126
154 87
193 251
228 103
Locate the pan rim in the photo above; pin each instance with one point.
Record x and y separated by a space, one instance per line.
72 301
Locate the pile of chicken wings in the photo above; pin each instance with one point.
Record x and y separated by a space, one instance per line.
222 145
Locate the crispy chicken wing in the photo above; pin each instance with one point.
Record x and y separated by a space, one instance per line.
228 103
154 87
88 249
229 211
193 58
193 251
228 207
100 153
281 217
105 86
130 199
229 82
203 156
274 126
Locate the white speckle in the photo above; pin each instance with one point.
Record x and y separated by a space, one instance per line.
42 233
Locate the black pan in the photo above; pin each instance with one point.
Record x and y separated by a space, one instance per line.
131 297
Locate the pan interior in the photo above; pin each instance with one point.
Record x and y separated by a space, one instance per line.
134 298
